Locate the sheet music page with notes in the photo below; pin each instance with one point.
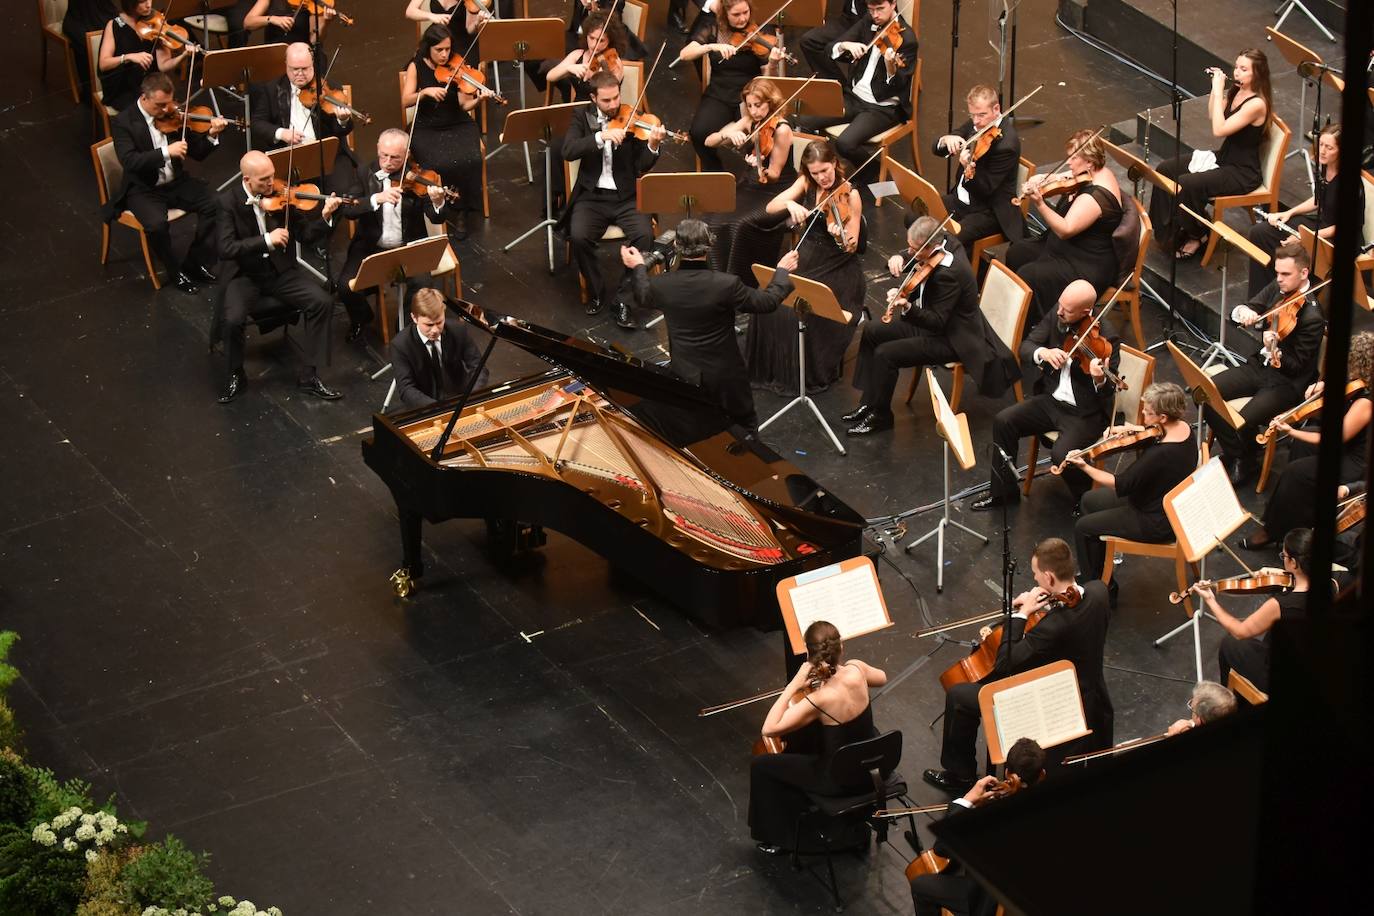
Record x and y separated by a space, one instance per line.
1204 509
1048 709
845 594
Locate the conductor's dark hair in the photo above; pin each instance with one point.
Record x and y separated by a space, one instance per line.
1026 759
823 649
693 239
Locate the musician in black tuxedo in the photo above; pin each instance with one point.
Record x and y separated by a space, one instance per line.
1272 390
384 218
877 95
1077 633
699 306
1075 402
939 323
840 16
433 358
155 180
280 120
982 204
611 163
257 261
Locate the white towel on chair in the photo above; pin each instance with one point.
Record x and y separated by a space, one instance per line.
1204 160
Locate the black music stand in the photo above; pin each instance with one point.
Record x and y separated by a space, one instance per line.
234 66
520 40
806 299
539 124
689 193
302 163
820 99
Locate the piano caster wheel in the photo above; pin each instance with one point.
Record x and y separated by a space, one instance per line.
401 583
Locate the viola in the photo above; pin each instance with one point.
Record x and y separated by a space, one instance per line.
608 59
762 45
1351 514
332 101
299 196
764 140
1061 184
196 119
1084 343
981 662
641 124
478 6
838 211
1108 444
471 77
323 8
1264 582
1303 411
418 181
156 28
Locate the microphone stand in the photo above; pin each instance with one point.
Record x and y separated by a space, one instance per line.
953 52
1008 561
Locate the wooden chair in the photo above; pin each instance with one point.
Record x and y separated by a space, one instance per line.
1005 302
1273 148
631 82
1366 261
1023 174
99 110
408 115
109 176
1245 688
905 130
1130 295
50 15
1137 369
636 16
1171 550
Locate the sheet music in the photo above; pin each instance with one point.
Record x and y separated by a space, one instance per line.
848 599
1207 509
1047 709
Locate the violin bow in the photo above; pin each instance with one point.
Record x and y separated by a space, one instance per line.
190 73
912 261
997 121
644 90
1309 291
822 203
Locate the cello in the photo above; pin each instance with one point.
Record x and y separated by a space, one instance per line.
982 661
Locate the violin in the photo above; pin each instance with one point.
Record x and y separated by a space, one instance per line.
980 147
1085 343
477 6
641 124
1303 411
319 8
762 45
475 79
609 59
764 140
914 278
981 662
157 29
890 38
418 181
332 101
1113 442
838 211
766 745
1264 582
1061 184
299 196
1283 317
1351 514
196 119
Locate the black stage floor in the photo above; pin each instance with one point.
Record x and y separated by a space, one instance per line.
208 630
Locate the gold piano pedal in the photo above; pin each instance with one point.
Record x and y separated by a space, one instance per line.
401 583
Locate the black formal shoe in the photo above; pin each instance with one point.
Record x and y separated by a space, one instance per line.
458 228
856 414
769 850
231 388
593 306
872 423
947 781
203 274
355 330
185 284
1258 541
991 502
1240 470
622 316
314 386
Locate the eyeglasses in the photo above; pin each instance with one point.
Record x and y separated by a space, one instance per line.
1284 555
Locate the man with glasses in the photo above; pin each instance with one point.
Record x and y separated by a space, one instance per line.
280 120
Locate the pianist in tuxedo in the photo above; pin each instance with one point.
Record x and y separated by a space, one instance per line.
434 358
699 306
877 94
280 120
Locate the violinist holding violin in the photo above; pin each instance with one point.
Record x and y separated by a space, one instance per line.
1130 503
981 204
281 118
1276 377
126 57
287 22
932 319
1055 619
603 45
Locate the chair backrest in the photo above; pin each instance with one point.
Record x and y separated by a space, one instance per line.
631 82
1137 370
854 764
1005 302
1024 170
799 144
915 190
407 112
636 16
109 173
1147 231
93 59
51 13
1273 148
1368 206
1244 688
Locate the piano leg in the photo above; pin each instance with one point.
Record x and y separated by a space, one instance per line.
412 561
507 537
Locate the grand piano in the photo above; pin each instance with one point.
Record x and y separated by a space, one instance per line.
626 459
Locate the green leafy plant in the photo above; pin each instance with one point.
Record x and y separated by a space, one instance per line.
10 733
18 788
169 875
105 893
52 797
37 880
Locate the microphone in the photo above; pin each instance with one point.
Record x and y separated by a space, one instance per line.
1007 459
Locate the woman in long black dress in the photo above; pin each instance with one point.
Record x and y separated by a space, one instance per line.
1240 117
1245 647
814 726
731 70
125 58
1078 245
1292 505
829 253
751 235
446 138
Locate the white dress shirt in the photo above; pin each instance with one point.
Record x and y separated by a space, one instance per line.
607 179
166 173
392 236
863 85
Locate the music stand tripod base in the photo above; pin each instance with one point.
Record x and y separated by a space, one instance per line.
540 124
802 397
938 532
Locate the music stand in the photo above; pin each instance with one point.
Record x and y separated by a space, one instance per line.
953 429
1043 704
398 265
1229 237
520 40
232 66
807 298
1204 392
690 193
820 99
1311 70
914 189
1287 6
304 160
1001 14
539 124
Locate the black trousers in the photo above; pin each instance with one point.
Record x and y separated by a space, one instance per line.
884 350
1268 238
957 893
1249 657
1196 190
974 223
1033 416
150 206
815 46
292 286
1106 513
1271 393
958 749
712 115
592 213
865 122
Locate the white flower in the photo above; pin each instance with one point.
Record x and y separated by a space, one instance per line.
92 855
88 818
85 832
226 900
69 844
122 829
